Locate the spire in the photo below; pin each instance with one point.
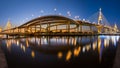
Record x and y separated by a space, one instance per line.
115 26
100 10
8 25
100 16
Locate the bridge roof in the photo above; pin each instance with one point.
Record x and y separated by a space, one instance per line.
47 18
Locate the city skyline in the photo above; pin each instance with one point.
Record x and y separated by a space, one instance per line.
20 11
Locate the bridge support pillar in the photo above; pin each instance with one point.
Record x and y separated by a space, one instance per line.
49 27
40 28
80 28
7 36
77 28
56 28
35 28
90 28
99 29
68 26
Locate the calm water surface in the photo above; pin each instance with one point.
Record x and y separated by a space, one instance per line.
65 51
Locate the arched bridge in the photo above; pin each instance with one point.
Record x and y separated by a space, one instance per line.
61 25
57 25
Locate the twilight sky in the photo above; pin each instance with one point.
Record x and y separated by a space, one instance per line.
21 11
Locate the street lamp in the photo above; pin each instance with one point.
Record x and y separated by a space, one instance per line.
41 12
68 13
55 10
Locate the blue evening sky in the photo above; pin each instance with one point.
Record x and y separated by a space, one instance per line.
21 11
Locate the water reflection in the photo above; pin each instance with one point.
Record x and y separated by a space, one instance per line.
77 51
60 54
65 48
32 54
68 55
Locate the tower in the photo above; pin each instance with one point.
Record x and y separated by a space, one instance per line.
8 25
100 17
115 28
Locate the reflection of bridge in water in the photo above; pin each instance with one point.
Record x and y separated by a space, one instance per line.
54 44
61 46
60 25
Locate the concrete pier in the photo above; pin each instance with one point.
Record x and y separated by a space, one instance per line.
3 63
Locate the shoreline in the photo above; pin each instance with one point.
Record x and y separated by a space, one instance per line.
3 62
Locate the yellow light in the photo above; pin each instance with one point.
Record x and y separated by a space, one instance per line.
88 47
77 51
83 49
27 43
94 46
24 48
74 42
68 56
33 54
8 44
60 54
105 42
99 45
17 42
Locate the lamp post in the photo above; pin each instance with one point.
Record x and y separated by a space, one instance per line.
55 10
41 12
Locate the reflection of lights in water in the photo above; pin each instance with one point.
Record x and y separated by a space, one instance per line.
102 36
63 40
74 42
21 46
38 42
17 43
68 41
33 54
8 44
77 51
117 38
32 40
45 41
68 56
105 42
27 43
24 48
113 40
87 47
83 49
60 54
99 49
94 45
99 44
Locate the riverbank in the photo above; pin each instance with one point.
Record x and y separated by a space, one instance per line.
3 63
117 57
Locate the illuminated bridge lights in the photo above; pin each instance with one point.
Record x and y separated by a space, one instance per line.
57 25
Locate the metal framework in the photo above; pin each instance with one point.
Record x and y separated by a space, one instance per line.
55 25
